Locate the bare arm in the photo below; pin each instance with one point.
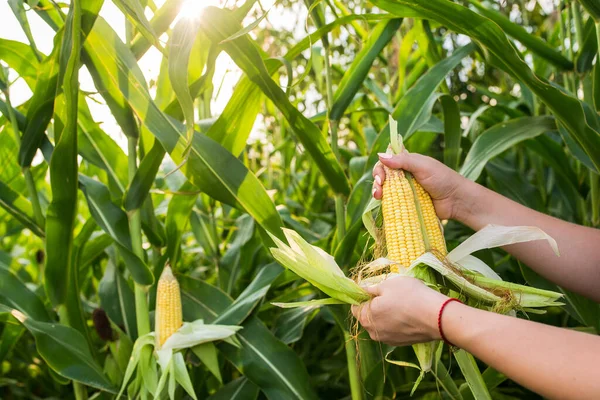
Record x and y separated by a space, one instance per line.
578 267
557 363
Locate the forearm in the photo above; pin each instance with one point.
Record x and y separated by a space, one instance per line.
556 363
578 267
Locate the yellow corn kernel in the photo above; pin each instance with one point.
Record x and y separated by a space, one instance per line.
432 223
410 224
168 315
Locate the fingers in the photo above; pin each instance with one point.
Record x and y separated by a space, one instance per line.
412 162
379 177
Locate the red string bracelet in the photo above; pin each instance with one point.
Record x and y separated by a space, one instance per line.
451 299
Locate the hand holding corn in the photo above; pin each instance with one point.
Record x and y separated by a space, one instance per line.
445 186
403 312
455 197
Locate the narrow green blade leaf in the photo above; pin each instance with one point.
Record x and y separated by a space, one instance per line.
240 389
117 299
20 208
114 221
14 294
500 138
592 7
65 351
353 79
500 52
452 132
22 59
471 372
144 177
414 108
218 25
269 363
207 353
239 310
178 217
41 107
533 43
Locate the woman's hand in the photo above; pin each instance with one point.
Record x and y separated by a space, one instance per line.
447 188
404 311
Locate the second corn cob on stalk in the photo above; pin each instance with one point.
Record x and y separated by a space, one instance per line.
168 313
170 339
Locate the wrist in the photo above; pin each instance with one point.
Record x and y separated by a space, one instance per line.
432 316
469 204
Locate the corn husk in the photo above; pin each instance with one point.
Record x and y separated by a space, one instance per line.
317 267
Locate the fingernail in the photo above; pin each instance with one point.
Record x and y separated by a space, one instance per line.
374 191
378 179
385 155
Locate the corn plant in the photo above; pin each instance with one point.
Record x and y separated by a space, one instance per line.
217 198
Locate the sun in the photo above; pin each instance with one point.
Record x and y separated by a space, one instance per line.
193 8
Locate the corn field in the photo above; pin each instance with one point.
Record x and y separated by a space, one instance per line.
139 212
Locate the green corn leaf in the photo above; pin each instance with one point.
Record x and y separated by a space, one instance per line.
19 11
290 324
233 126
471 372
239 389
144 177
415 107
353 79
41 107
269 363
499 51
114 221
116 298
20 208
94 249
201 300
162 19
241 308
180 47
21 58
218 25
589 48
14 294
181 375
263 359
65 351
11 334
96 147
210 166
452 132
500 138
134 11
533 43
592 7
178 217
207 353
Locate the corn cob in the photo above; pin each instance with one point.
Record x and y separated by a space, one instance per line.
168 307
410 224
